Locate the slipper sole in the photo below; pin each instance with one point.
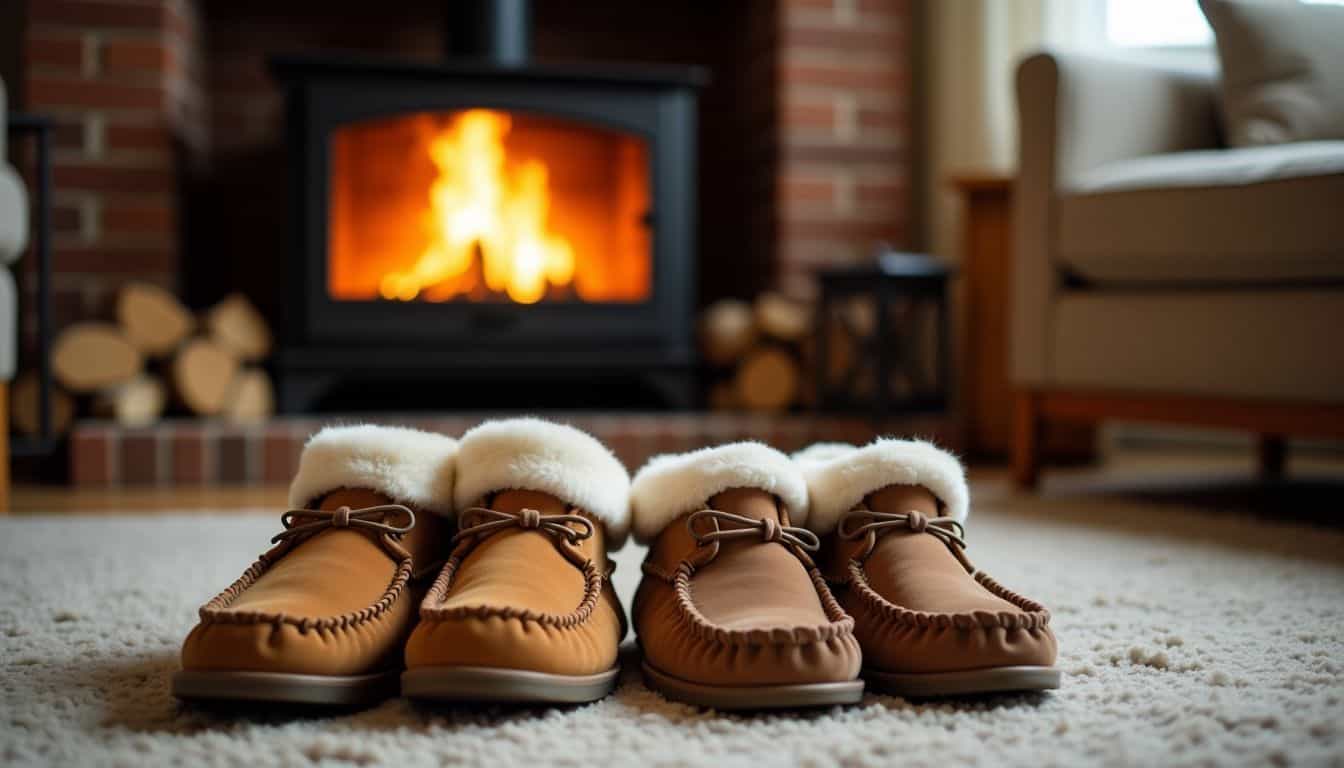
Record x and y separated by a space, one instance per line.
283 688
969 683
519 686
753 696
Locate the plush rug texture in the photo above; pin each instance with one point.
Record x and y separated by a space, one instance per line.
1187 639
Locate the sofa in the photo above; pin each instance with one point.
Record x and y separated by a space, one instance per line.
13 241
1161 276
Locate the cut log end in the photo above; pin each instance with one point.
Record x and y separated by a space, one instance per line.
88 357
154 321
135 403
251 400
767 380
238 326
202 374
782 318
727 330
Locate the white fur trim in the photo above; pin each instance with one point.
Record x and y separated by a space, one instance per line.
672 484
406 465
535 455
839 476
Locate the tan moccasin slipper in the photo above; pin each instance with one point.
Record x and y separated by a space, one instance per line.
322 616
524 610
731 612
891 518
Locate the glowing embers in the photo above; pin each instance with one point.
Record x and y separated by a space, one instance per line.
481 205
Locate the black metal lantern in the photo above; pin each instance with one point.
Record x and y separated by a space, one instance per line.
882 336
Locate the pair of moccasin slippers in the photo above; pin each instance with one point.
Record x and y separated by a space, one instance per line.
477 570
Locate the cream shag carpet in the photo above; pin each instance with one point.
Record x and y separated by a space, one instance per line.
1186 639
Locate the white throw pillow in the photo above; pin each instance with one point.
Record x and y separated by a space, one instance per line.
1283 69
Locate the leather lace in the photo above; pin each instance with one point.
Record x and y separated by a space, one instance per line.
766 529
949 531
371 518
482 521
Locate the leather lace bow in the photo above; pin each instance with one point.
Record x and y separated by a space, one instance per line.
748 527
371 518
481 521
944 528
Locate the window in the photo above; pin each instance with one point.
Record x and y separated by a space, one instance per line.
1161 23
1154 23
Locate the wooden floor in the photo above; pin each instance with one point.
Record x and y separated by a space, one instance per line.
56 500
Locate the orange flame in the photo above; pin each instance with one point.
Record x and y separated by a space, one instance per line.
479 204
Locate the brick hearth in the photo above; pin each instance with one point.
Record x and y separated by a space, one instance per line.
190 453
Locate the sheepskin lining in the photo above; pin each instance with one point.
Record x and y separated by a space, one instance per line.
409 466
672 484
536 455
839 476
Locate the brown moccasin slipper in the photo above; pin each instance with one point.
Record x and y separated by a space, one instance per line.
891 518
731 612
524 610
322 616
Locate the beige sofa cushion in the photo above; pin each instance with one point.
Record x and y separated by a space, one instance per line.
1263 214
1283 69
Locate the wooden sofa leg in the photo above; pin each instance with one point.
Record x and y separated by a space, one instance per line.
1272 455
1026 452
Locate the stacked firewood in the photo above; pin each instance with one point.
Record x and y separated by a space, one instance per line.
157 357
760 351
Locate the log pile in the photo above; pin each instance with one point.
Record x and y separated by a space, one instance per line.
156 358
760 352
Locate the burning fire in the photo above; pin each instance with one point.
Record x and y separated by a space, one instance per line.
485 211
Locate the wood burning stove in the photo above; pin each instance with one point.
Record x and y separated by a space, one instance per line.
486 219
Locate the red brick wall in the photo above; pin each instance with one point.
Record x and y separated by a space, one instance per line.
760 85
246 105
842 170
122 79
